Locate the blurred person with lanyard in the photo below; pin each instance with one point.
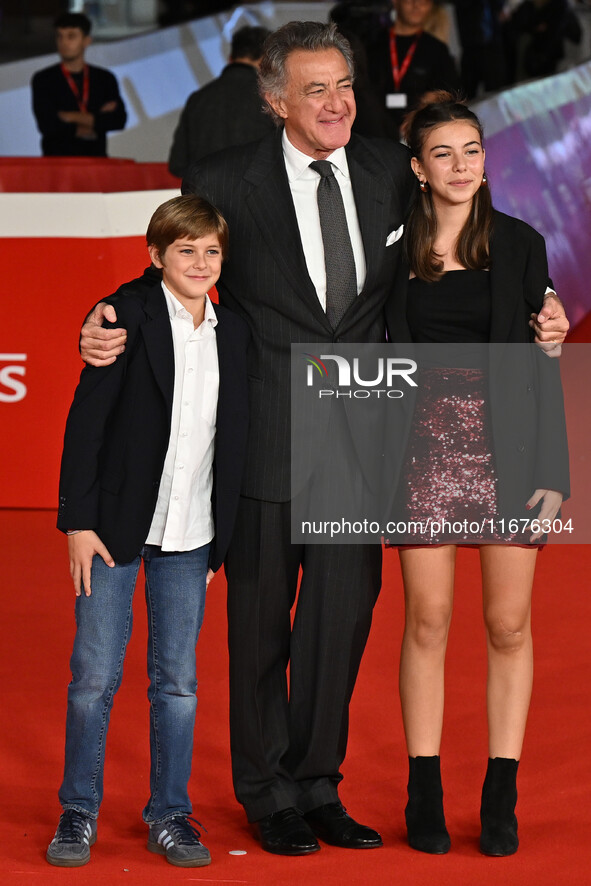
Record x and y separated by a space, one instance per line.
406 61
230 105
75 104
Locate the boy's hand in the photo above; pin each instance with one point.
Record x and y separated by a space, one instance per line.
98 346
81 549
210 575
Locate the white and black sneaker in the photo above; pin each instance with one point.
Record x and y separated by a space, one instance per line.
178 839
70 848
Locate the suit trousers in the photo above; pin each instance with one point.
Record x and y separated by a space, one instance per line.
288 742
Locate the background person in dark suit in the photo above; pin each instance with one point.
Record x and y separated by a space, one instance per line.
356 25
228 111
75 104
144 439
287 750
480 26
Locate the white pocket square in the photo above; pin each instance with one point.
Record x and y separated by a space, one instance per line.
395 235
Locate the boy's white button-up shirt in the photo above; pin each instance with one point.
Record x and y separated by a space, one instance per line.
183 517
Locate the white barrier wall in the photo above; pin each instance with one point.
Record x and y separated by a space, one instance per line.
156 74
61 253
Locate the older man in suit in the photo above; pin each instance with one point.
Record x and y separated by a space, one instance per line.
287 748
226 111
286 753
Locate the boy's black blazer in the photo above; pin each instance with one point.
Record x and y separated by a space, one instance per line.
118 427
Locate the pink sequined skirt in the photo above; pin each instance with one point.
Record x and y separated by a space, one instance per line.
448 491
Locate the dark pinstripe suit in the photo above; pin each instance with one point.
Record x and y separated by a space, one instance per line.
289 753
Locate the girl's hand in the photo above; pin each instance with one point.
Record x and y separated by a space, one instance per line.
550 507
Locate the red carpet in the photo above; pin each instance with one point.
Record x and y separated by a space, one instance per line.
554 808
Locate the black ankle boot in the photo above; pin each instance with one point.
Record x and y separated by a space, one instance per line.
497 810
425 821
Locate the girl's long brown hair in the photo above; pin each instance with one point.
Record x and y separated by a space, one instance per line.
472 249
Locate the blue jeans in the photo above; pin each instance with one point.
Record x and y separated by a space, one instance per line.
175 599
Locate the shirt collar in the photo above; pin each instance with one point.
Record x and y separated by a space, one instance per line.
297 164
176 309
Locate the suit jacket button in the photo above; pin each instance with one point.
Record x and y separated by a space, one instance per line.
521 447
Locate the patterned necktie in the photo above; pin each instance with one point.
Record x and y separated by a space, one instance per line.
341 278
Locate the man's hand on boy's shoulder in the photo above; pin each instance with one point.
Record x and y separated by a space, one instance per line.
100 346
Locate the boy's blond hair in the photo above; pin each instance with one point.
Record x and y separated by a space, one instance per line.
188 217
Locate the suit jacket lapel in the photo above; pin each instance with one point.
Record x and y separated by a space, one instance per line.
369 188
503 273
224 348
157 335
271 205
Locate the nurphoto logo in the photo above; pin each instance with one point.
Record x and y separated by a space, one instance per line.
346 378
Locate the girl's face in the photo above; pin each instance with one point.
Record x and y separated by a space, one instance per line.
452 163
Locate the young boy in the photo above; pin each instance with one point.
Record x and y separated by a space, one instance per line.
139 481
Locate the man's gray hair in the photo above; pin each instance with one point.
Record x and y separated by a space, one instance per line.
309 36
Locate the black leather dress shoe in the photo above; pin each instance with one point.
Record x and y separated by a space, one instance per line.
286 833
332 824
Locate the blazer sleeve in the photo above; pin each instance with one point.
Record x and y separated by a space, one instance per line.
231 431
194 183
552 461
552 464
179 156
137 289
47 101
536 276
95 400
190 141
108 121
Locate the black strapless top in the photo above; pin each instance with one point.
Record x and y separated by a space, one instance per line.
454 309
454 312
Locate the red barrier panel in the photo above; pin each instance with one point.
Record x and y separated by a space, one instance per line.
49 284
60 254
67 174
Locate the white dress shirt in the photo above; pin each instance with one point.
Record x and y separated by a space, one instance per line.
183 518
303 183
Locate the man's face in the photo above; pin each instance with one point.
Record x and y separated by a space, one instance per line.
71 43
413 13
318 106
